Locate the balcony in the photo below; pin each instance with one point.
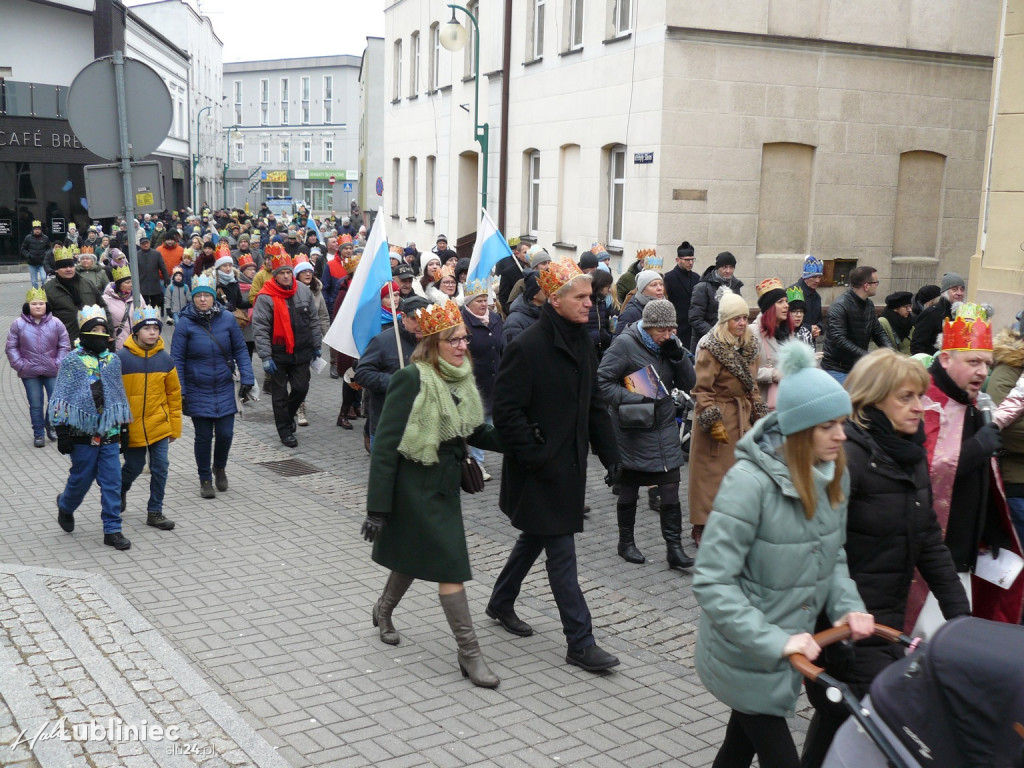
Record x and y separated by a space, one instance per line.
20 99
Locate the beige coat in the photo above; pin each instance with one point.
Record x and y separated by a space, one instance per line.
726 389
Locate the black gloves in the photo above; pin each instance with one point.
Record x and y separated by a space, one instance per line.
673 350
614 474
989 439
372 526
243 392
64 442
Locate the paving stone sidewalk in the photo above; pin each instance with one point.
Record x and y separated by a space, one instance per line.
266 592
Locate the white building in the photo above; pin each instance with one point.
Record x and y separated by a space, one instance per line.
770 128
294 126
371 123
200 105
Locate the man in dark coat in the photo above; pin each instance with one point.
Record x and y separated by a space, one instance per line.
510 270
679 284
443 251
68 292
808 284
928 325
706 295
853 324
34 249
153 274
549 412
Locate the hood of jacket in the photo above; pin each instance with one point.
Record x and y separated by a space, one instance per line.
133 346
1008 348
762 446
710 275
111 292
527 308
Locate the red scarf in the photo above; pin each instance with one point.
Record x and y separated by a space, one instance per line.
336 267
283 333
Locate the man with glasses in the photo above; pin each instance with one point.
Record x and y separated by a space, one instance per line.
679 285
852 324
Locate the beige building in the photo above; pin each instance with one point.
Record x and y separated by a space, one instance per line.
997 269
850 129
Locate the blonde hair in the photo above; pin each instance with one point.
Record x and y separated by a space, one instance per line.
428 350
799 456
721 332
877 375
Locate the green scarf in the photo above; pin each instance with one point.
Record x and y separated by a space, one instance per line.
435 417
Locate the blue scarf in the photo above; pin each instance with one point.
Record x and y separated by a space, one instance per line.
73 403
646 339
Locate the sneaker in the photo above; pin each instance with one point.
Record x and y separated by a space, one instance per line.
117 541
157 520
65 520
51 434
301 419
39 442
290 441
592 659
220 477
487 476
206 489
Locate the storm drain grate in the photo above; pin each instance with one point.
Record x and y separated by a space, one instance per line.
290 467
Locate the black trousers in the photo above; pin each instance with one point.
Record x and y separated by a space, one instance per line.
291 383
155 300
562 577
767 736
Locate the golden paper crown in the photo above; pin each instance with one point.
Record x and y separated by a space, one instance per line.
446 271
558 274
62 253
970 330
598 248
439 317
35 294
770 284
649 258
37 223
345 240
513 241
119 273
351 263
397 250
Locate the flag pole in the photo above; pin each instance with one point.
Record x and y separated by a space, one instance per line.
394 322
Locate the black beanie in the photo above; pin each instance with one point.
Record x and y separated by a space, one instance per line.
725 259
684 249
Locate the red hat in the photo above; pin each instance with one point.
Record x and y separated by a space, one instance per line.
391 287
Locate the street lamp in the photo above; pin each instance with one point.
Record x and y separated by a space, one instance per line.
453 37
195 160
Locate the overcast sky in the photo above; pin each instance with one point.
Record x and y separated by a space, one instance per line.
266 29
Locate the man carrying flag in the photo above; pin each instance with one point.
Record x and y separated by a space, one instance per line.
490 248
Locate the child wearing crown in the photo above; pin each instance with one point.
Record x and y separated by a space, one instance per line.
88 410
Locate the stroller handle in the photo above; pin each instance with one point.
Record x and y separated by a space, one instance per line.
833 635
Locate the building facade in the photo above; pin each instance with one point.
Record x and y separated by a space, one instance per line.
293 127
771 128
371 123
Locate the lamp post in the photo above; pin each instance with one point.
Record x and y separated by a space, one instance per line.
453 37
195 160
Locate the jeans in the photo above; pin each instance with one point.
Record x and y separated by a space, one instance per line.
562 577
838 376
1016 504
206 428
37 275
34 391
101 463
478 453
291 384
135 460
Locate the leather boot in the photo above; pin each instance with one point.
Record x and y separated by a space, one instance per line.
396 587
471 661
672 531
627 546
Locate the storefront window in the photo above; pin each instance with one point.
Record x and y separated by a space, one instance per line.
53 193
317 194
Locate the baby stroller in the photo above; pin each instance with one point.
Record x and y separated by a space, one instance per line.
957 702
684 409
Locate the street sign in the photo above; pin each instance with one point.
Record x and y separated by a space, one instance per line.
331 181
346 187
643 158
380 187
92 100
105 189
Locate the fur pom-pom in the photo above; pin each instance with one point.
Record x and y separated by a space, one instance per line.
795 355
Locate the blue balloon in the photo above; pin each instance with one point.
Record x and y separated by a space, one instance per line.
84 202
67 186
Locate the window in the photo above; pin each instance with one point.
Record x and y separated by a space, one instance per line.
616 193
434 76
538 29
413 183
395 168
328 99
431 170
237 88
414 64
317 194
307 152
622 16
533 192
240 151
286 151
275 189
567 215
785 207
575 24
470 67
284 101
328 150
264 151
397 86
264 102
304 88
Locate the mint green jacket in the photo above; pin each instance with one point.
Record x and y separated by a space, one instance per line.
764 572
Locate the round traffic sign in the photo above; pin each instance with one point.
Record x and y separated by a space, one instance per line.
380 187
92 100
332 180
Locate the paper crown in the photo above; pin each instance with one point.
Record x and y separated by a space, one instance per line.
91 312
280 261
204 282
598 248
474 288
223 249
397 250
37 223
35 294
446 271
438 317
344 239
970 330
87 249
146 316
272 249
649 258
812 267
796 293
513 241
770 284
62 253
351 263
245 260
120 273
558 274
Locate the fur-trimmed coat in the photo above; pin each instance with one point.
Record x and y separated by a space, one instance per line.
1008 352
726 391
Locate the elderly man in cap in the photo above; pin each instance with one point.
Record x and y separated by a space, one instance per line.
929 322
34 249
547 440
704 304
68 292
808 285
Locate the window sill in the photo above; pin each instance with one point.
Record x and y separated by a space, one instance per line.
614 250
531 239
444 88
428 221
413 97
469 78
395 216
565 246
531 62
617 38
572 51
396 101
410 218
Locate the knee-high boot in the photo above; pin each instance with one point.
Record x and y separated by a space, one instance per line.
672 530
626 513
471 661
396 587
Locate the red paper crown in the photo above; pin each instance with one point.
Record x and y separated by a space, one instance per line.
558 274
280 261
245 260
344 240
272 249
223 249
969 331
439 317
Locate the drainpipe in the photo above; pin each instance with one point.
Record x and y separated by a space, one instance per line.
506 70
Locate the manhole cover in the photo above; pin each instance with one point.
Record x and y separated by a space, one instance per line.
290 467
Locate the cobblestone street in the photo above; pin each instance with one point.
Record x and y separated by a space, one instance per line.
248 625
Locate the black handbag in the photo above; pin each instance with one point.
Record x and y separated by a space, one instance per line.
472 475
636 416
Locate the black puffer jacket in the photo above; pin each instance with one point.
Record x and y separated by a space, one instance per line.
599 325
521 316
704 302
646 450
378 364
632 312
928 326
34 249
852 324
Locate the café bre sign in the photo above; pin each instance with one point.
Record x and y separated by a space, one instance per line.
41 139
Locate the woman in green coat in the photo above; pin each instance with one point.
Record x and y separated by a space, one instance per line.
771 559
414 514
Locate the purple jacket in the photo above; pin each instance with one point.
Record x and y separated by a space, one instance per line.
36 349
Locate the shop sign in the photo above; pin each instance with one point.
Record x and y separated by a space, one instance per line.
39 138
56 226
6 227
276 177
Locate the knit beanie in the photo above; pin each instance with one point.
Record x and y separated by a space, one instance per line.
725 259
731 305
812 267
537 256
659 313
302 266
807 395
645 278
927 293
531 287
588 261
952 280
222 261
684 250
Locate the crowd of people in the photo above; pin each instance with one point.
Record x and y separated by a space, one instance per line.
842 468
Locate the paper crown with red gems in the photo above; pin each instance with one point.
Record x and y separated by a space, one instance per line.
969 330
438 317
